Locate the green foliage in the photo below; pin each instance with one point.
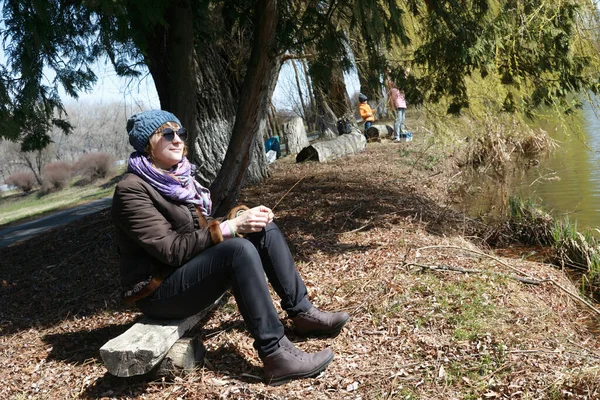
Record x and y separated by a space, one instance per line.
575 249
540 51
41 34
529 224
378 25
66 37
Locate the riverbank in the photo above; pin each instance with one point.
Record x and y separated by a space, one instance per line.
374 234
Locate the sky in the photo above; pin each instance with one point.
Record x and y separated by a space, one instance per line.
286 92
112 88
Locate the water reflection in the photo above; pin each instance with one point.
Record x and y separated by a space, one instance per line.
568 181
565 183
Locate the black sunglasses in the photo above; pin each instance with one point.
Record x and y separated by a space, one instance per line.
169 134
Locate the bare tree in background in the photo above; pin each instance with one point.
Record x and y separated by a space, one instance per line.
97 128
292 89
35 161
9 161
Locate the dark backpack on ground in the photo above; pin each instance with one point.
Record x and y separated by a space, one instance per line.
343 126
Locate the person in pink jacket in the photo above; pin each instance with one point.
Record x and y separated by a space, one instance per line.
398 102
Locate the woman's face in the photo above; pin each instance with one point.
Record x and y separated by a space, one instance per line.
165 154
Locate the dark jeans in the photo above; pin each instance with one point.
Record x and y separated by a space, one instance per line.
240 264
368 124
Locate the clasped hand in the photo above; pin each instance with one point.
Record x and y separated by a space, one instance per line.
252 220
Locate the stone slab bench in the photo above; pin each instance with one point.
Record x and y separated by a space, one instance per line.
157 345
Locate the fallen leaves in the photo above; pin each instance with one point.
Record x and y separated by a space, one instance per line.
352 229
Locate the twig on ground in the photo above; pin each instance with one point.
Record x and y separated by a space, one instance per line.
576 296
477 271
534 351
593 354
472 251
352 231
286 193
230 327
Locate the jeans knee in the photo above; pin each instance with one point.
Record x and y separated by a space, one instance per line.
243 254
239 247
272 226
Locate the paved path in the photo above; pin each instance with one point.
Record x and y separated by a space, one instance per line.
32 228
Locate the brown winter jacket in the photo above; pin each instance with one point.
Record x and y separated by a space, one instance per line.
154 235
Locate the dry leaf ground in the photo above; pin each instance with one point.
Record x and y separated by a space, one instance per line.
356 226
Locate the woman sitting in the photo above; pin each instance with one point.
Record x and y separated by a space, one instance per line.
175 259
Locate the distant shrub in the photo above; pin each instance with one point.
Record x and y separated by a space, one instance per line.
93 166
57 175
25 181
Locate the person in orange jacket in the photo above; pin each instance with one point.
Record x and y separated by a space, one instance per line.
366 112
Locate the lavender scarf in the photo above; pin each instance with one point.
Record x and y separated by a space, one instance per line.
177 184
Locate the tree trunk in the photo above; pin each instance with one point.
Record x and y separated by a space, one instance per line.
350 143
376 132
311 98
175 81
368 74
270 125
326 118
201 92
295 135
277 128
332 100
337 94
257 89
304 114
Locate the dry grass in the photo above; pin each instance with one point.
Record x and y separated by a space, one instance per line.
355 226
493 145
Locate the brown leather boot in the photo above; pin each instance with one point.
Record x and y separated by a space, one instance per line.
318 323
289 362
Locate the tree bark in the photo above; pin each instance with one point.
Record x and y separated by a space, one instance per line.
202 92
326 118
258 86
332 100
366 59
376 132
175 80
295 136
337 94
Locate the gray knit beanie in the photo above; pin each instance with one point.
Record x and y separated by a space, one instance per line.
142 125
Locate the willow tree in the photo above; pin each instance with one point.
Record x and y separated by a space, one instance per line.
375 30
367 29
537 52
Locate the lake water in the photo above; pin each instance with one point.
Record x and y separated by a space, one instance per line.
567 182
